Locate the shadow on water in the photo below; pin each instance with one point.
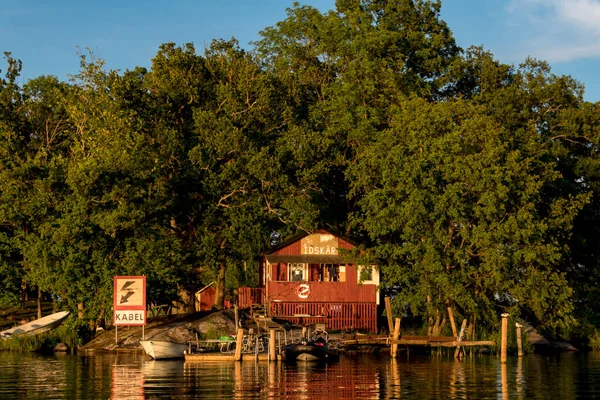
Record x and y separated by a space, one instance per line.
134 376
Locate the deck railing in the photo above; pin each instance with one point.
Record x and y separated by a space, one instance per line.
338 316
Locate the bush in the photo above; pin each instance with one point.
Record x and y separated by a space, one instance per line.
594 342
74 332
213 333
512 340
8 300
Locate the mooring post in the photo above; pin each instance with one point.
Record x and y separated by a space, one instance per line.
304 336
519 344
504 377
239 343
256 348
504 341
394 347
272 354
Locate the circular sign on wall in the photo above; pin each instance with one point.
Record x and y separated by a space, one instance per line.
303 291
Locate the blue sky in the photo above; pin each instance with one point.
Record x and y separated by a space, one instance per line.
45 35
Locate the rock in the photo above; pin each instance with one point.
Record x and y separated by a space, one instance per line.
180 328
563 346
534 336
61 347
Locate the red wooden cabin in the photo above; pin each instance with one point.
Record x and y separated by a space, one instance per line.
308 280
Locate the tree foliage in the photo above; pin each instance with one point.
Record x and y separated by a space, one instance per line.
472 183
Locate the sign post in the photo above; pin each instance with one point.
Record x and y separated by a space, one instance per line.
129 301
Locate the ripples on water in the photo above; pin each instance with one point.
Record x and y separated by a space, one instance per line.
134 376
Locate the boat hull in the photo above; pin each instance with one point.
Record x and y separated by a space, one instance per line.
306 352
161 350
38 326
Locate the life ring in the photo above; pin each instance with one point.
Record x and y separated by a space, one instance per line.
303 291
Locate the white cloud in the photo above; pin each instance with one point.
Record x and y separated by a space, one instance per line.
581 14
558 30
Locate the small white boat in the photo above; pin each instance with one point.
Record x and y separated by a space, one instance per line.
38 326
161 349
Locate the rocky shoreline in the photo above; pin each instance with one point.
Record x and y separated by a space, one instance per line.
175 328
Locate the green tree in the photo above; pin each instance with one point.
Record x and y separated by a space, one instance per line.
12 143
531 96
458 210
235 161
345 69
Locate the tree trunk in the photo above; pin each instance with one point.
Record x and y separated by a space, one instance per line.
220 288
101 321
23 292
39 304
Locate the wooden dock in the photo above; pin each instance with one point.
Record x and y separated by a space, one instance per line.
202 357
433 341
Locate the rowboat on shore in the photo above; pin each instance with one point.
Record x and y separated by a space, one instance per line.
161 349
36 327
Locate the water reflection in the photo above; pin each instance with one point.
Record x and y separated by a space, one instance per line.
127 382
134 376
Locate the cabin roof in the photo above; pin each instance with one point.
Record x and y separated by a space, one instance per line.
309 259
298 236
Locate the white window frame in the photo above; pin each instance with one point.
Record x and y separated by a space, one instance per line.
294 266
374 275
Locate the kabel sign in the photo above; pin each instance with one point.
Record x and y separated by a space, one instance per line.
129 300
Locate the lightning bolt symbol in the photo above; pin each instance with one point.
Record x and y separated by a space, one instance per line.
130 292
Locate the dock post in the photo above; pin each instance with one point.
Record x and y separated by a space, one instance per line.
504 341
237 317
460 337
394 347
452 323
272 354
388 311
239 343
519 344
504 378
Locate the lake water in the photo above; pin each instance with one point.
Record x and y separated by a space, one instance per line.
135 376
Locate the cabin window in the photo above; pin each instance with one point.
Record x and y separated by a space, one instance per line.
301 272
367 274
316 272
334 273
279 272
298 272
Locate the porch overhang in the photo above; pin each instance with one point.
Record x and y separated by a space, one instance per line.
309 259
